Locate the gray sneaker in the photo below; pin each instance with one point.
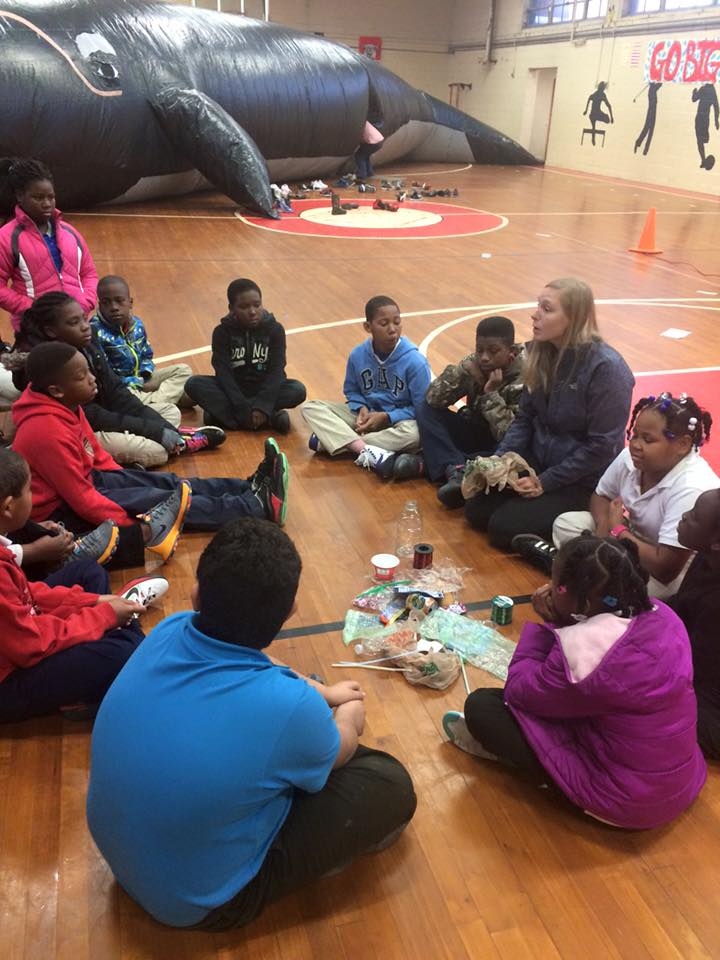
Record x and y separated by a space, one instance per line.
98 545
166 521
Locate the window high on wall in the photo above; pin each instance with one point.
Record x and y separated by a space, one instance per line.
656 6
542 12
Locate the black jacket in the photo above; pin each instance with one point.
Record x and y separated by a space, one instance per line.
115 409
250 364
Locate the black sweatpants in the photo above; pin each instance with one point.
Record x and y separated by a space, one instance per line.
219 411
504 513
363 806
494 727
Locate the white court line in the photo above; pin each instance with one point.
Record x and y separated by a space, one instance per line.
156 216
686 302
474 312
629 184
604 213
657 373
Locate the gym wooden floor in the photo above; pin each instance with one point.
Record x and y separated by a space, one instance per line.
489 868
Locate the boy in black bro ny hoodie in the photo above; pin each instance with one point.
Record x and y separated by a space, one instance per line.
249 390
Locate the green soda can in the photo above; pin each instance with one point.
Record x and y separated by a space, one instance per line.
501 611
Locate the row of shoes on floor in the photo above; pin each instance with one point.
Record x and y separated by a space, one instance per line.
283 194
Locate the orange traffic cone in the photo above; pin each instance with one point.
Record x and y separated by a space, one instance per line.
646 243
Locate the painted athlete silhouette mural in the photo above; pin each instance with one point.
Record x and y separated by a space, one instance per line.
648 129
706 99
595 103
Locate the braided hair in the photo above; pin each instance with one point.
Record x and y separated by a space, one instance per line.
682 415
42 314
16 175
588 565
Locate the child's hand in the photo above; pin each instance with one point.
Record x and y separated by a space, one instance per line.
494 381
616 512
528 487
342 692
361 418
373 422
471 366
352 711
125 610
49 549
258 419
542 602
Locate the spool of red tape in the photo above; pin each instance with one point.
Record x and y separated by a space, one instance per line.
422 556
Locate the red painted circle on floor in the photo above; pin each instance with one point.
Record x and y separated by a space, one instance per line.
414 220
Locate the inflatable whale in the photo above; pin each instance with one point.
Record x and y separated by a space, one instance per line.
126 99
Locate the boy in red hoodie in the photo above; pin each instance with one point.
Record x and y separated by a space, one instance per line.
59 644
77 482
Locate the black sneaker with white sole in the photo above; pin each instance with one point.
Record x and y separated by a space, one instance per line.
534 549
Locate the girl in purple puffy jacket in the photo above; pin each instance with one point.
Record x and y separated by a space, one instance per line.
599 699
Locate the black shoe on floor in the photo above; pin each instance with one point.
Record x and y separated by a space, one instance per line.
450 493
280 421
534 549
408 466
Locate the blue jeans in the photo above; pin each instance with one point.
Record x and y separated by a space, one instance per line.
81 673
215 500
449 439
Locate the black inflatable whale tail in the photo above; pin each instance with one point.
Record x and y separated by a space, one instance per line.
487 144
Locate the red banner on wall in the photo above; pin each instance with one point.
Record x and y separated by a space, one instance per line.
683 61
370 47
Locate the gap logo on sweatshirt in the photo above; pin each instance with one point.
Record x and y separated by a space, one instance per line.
370 383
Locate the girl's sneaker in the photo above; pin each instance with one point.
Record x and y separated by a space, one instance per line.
459 736
202 438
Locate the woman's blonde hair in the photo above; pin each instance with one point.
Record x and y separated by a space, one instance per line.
578 305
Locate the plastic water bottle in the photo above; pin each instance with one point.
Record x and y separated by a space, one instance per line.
409 529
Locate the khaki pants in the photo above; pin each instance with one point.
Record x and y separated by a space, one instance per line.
333 424
164 390
127 448
569 525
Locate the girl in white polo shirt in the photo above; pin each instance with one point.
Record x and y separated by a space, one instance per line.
645 491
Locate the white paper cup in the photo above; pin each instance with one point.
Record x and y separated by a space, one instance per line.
384 566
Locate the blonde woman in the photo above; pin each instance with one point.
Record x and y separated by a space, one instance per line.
570 424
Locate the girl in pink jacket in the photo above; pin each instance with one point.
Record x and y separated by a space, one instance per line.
39 252
599 699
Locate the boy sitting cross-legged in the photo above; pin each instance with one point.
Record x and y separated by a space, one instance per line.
385 381
250 390
60 642
124 341
221 780
491 381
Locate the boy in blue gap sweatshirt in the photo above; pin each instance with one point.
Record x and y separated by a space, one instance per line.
385 380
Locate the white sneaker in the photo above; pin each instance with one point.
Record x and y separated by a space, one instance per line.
459 736
318 185
145 590
371 458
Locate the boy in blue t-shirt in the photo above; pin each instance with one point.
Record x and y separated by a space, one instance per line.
385 381
221 780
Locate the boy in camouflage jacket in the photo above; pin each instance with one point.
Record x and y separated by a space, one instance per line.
491 381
